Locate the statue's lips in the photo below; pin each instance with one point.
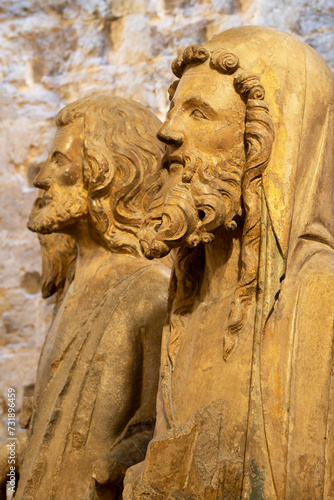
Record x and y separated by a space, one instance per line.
41 201
173 159
45 199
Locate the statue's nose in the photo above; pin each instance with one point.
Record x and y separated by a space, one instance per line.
169 135
42 181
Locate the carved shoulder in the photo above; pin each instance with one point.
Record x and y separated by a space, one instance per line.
152 288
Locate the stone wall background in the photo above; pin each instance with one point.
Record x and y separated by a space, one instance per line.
55 51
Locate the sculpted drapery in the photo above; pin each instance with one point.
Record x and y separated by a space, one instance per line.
288 437
291 418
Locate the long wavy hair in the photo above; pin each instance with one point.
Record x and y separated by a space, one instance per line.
189 265
122 158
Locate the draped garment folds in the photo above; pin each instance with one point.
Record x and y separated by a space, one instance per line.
290 439
97 379
289 447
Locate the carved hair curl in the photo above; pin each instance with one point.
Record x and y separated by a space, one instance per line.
121 164
259 136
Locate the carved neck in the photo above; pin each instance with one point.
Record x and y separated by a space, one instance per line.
221 271
91 252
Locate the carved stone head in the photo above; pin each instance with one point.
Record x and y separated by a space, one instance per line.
218 133
102 168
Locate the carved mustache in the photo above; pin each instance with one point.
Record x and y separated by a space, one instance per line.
38 204
41 201
191 204
51 210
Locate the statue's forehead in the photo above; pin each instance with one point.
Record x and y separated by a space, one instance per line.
207 84
68 138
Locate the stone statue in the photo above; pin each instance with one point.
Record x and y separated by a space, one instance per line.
93 412
245 404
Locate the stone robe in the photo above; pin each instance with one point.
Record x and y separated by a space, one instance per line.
97 380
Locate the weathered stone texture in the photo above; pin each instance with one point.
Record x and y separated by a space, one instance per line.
52 53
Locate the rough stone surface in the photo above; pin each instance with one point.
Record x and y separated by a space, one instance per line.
53 52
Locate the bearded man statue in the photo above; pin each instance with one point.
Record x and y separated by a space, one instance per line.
93 411
245 402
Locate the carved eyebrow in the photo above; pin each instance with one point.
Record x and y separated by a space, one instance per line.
59 155
202 105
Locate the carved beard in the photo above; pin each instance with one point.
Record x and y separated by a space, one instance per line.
57 209
192 204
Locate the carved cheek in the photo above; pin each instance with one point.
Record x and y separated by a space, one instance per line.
70 175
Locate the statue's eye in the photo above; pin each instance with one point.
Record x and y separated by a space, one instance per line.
59 160
197 113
